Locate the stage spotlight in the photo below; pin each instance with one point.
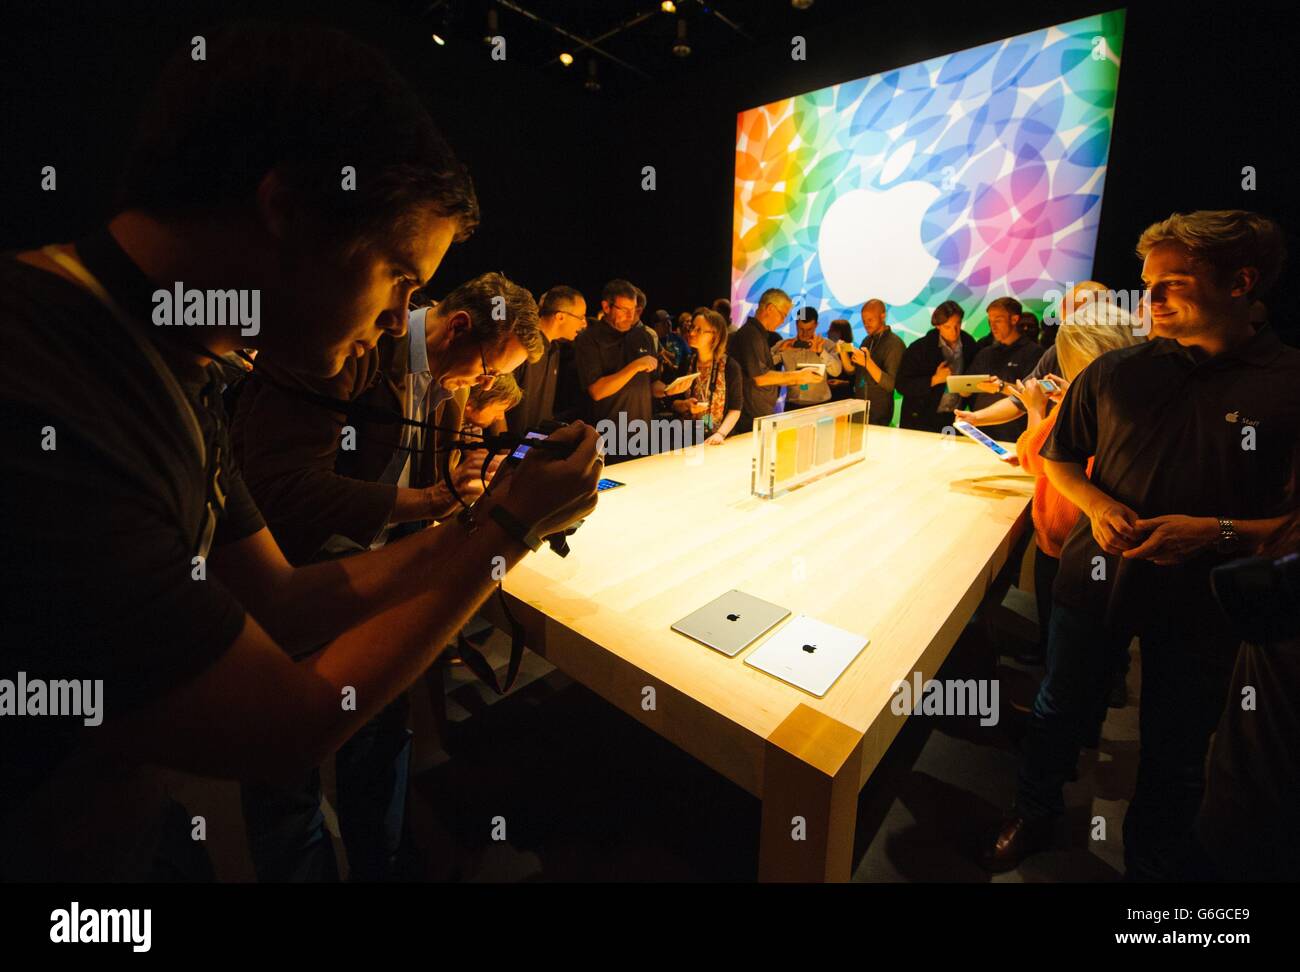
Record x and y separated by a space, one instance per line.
438 40
592 83
491 25
681 48
801 4
668 6
566 58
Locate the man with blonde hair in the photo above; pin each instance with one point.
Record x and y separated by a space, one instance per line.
1195 440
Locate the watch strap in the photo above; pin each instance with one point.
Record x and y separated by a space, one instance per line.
515 528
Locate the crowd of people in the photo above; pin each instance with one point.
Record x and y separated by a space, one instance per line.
257 564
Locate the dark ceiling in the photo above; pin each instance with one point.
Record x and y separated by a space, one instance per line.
632 40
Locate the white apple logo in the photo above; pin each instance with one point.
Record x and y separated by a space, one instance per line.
869 244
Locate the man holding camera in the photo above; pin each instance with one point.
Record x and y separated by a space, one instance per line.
807 351
141 560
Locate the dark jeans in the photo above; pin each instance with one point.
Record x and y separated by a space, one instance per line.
1071 701
1184 682
1045 569
285 825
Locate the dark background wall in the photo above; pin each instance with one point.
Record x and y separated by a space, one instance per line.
1204 91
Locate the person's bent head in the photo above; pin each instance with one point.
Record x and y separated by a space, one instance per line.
840 330
487 406
873 315
562 313
1028 325
773 307
331 189
723 307
708 333
1079 344
946 319
1004 314
1204 269
619 302
482 329
806 323
1080 296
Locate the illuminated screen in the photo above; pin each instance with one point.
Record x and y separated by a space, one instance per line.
966 177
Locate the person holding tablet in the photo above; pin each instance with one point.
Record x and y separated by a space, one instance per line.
716 395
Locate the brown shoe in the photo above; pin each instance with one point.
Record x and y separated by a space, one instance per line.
1017 839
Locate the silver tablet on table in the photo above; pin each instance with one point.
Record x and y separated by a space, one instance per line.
731 622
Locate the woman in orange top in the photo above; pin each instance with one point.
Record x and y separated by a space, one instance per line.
1077 344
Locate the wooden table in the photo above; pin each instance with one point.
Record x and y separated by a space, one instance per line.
900 547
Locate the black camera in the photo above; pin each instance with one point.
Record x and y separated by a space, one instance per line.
538 432
1260 596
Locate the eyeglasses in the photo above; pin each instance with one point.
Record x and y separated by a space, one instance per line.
490 374
576 317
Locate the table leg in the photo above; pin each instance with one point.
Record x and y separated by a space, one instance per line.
810 799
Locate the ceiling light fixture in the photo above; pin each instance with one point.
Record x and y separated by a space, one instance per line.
438 40
668 6
592 83
566 59
681 47
491 25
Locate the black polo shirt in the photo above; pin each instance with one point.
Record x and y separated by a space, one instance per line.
1011 363
752 349
538 381
600 350
95 554
1167 425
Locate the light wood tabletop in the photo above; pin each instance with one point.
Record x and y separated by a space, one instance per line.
899 548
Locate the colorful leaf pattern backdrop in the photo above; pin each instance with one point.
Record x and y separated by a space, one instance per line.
1014 134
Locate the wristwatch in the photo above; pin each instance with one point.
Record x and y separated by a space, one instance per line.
513 527
1227 542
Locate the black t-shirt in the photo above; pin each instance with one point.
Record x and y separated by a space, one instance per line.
99 532
1175 431
600 350
1011 363
751 347
537 380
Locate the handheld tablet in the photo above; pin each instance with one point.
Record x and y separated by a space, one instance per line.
605 484
679 385
966 384
997 448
